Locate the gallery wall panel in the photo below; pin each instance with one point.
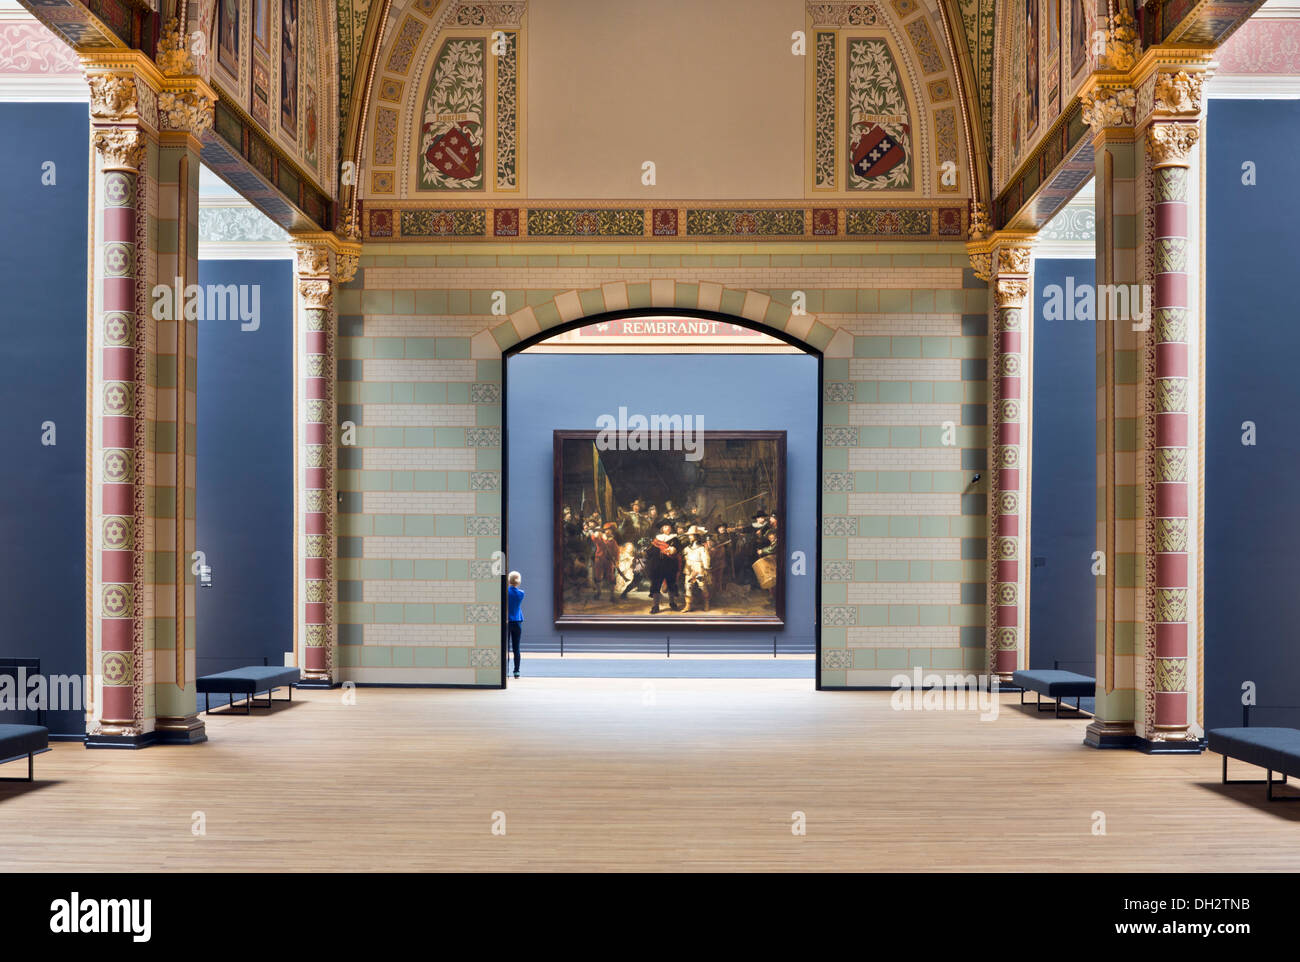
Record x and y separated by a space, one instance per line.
903 330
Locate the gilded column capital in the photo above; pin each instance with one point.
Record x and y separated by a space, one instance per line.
323 254
316 292
1105 107
122 148
1178 92
1012 260
1171 143
345 265
312 260
189 111
1010 292
113 98
1001 254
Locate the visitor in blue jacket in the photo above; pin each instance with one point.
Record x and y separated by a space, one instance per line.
515 613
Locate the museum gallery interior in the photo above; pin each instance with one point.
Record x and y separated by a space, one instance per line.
697 435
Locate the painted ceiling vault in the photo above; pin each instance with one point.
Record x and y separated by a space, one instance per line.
474 118
507 118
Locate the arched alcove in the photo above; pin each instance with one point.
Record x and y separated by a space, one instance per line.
800 500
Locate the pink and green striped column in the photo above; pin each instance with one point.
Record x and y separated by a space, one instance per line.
1169 481
1008 460
119 386
316 259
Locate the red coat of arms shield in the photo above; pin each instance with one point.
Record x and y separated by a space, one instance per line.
454 154
875 152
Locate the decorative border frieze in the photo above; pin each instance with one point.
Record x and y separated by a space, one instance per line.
844 221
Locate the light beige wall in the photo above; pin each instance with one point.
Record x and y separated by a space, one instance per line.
707 89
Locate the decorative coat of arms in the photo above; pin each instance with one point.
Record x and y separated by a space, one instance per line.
879 129
875 152
451 135
453 154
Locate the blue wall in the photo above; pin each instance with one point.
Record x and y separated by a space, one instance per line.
43 378
549 392
1063 522
1252 522
245 473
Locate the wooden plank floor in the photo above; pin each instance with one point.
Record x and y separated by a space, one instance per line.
590 776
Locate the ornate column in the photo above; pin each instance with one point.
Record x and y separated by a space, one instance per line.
1004 260
1109 108
321 261
185 111
119 536
1171 412
140 393
1145 112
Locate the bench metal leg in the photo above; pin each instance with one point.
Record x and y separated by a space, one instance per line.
31 772
1279 798
1268 782
250 700
1239 781
1076 707
1038 703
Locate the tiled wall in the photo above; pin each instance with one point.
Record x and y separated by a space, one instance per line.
903 327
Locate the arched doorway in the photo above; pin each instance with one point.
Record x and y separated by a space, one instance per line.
801 547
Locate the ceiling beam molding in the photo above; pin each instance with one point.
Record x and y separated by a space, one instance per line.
245 158
1063 160
99 25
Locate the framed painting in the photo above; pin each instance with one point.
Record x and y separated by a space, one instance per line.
261 24
1078 36
1031 66
669 535
289 67
228 35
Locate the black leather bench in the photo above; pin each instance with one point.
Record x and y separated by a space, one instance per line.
248 682
1273 749
19 740
1056 684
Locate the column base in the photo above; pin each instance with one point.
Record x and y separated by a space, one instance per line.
143 740
1104 734
181 730
1181 746
322 683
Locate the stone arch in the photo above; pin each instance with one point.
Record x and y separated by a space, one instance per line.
620 298
563 310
